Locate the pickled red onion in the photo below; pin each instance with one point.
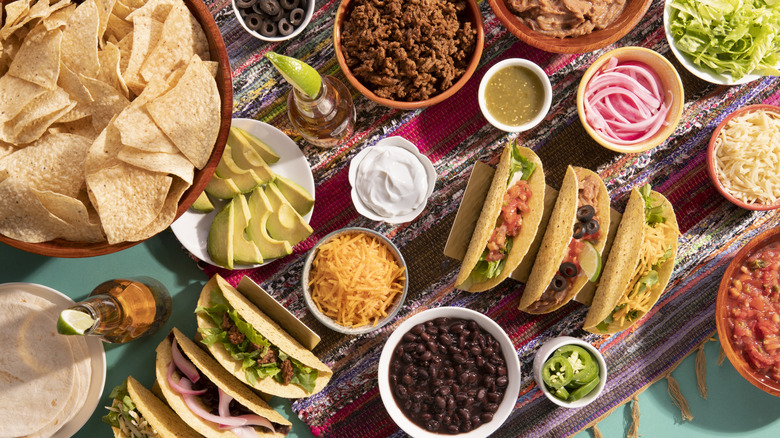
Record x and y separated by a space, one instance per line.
203 413
177 385
625 104
183 364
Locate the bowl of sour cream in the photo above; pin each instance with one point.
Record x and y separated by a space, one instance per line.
391 181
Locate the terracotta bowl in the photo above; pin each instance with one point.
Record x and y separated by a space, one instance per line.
721 312
711 160
626 21
69 249
669 79
474 16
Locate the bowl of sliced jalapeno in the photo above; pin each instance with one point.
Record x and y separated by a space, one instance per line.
570 372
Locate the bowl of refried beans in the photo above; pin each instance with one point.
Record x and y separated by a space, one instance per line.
408 54
569 26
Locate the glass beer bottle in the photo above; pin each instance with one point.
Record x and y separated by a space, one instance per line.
121 310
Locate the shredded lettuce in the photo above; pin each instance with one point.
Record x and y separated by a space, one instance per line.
303 375
734 37
520 163
123 403
653 214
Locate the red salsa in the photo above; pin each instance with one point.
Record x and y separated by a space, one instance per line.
510 219
753 311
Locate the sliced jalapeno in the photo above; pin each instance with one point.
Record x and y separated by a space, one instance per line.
561 393
557 372
585 367
584 390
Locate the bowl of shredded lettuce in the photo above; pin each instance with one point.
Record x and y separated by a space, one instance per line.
725 42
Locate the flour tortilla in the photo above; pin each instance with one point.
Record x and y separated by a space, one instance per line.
623 258
220 377
490 212
159 415
556 239
268 328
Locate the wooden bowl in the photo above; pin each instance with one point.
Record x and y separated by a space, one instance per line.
711 160
632 13
474 16
736 358
69 249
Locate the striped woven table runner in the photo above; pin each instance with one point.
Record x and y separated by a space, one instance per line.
454 135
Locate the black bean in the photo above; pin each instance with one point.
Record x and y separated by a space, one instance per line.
432 330
425 336
486 417
458 358
453 429
475 421
457 328
445 339
491 407
409 336
464 414
437 382
441 321
502 381
489 381
422 375
439 403
501 371
402 392
481 394
493 397
450 403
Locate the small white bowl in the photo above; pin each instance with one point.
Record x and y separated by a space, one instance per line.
519 63
490 326
402 143
548 349
299 29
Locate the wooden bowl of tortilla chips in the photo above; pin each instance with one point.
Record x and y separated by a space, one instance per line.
113 118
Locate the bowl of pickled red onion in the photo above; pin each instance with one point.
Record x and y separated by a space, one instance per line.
630 99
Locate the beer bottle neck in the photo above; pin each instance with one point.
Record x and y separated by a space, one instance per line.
105 310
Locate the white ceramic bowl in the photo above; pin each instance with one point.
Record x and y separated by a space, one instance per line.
402 143
545 104
548 349
328 321
309 12
512 364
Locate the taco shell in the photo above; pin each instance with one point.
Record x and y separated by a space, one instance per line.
220 377
557 236
157 414
489 215
271 331
624 259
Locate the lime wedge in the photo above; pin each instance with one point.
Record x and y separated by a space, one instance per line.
301 75
590 262
74 322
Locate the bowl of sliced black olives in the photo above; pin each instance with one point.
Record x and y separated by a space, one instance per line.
274 20
449 371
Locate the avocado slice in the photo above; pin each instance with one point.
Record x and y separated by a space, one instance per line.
202 204
269 155
296 195
245 179
222 188
244 251
220 241
285 223
260 209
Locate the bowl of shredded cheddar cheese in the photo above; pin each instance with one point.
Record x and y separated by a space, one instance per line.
354 280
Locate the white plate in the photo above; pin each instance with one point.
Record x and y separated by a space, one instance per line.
700 72
192 228
96 352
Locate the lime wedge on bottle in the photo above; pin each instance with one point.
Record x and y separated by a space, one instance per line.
590 262
302 76
74 322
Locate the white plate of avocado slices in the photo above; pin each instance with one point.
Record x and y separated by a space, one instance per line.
263 188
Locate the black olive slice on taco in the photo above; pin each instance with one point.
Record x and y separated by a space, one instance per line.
508 222
576 233
208 398
135 412
639 266
253 347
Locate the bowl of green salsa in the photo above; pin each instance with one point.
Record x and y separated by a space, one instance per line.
515 95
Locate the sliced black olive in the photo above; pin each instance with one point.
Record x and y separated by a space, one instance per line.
285 28
257 9
278 17
585 213
254 22
270 7
297 16
578 231
591 226
245 3
558 283
269 29
289 4
568 269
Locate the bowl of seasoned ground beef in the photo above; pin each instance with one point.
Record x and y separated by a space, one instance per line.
408 54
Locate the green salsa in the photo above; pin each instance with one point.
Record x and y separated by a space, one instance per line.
514 95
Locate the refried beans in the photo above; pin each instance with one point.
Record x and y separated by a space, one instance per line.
566 18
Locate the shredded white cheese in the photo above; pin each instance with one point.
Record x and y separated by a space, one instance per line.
747 157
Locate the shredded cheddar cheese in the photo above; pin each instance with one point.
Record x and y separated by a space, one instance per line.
355 279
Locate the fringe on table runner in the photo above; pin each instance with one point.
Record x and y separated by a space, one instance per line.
678 398
597 432
701 371
633 431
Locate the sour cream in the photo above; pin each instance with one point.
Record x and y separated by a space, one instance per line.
391 181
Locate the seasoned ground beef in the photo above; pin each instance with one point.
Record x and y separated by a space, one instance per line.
408 50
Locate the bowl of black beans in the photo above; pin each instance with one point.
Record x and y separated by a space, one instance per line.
449 371
274 20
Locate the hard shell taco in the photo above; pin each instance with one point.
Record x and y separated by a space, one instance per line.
136 412
508 223
253 347
208 398
639 266
578 227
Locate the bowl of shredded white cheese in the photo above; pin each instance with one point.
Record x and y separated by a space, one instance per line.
744 157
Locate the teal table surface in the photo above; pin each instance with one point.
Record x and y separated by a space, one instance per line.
733 406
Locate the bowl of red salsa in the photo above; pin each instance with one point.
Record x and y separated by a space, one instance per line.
748 311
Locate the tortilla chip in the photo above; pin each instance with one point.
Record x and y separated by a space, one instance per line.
82 227
39 114
126 198
110 72
104 150
82 127
158 414
271 331
38 60
23 217
167 213
157 9
170 163
190 120
80 40
17 93
110 102
146 33
59 18
220 377
117 27
104 8
139 131
489 215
